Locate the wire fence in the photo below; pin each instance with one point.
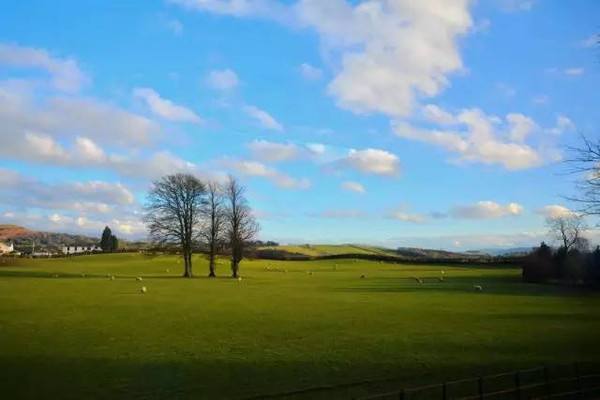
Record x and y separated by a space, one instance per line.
558 382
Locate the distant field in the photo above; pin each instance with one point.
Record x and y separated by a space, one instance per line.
285 326
330 250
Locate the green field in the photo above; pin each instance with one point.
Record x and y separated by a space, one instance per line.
284 326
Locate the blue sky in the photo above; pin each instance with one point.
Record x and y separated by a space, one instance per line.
439 124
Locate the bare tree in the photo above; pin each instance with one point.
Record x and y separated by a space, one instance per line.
586 161
173 213
214 223
567 229
241 225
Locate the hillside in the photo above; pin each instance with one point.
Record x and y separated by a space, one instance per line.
23 238
363 251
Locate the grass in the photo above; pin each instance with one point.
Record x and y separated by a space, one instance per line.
317 250
63 335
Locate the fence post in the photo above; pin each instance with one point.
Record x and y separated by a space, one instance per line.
444 391
480 387
547 381
518 384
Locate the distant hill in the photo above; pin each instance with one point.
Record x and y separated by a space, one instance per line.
506 252
23 238
364 251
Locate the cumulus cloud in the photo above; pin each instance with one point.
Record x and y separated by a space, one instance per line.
310 73
487 210
64 117
353 187
64 72
225 79
404 216
435 114
274 152
257 169
563 125
165 108
90 196
554 211
340 214
391 52
271 9
482 138
372 161
265 119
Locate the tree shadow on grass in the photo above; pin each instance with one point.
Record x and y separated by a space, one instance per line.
489 286
46 377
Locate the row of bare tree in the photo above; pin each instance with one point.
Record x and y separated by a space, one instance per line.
184 211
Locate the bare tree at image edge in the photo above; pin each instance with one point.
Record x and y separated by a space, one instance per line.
585 160
173 213
241 225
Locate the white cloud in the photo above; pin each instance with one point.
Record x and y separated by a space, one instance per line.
435 114
574 71
89 196
310 73
65 73
340 214
271 9
316 148
372 161
554 211
264 118
255 168
403 216
483 138
63 117
353 187
520 126
563 125
225 79
391 51
165 108
274 152
487 210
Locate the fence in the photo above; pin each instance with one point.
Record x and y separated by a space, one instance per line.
558 382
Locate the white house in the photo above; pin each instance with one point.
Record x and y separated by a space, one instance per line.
6 248
80 249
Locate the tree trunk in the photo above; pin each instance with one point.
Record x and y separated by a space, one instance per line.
187 261
211 262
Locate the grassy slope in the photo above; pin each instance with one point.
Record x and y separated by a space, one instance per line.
75 337
329 250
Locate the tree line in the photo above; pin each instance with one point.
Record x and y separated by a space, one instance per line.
184 211
573 261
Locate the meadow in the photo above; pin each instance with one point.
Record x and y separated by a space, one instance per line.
68 331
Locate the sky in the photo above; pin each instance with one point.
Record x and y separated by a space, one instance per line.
440 124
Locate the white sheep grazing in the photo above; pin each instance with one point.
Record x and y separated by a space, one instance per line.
143 289
419 280
112 278
239 279
167 270
478 288
139 279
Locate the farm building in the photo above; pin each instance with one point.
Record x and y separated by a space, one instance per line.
6 248
80 249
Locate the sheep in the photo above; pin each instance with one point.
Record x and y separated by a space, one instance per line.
239 278
478 288
143 289
167 270
112 277
139 279
441 279
419 280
